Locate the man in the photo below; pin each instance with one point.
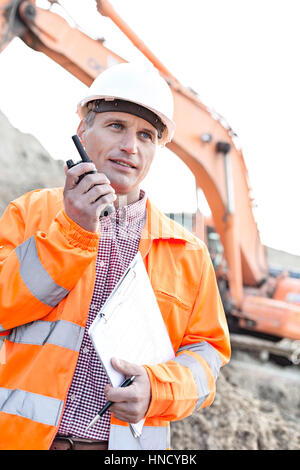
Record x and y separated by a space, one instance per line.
60 261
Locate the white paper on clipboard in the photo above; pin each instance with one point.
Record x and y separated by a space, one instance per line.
130 326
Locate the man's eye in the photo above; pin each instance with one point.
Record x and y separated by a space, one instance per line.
116 125
146 135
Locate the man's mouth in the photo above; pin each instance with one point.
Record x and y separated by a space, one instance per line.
124 163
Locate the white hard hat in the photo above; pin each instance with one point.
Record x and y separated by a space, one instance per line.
138 84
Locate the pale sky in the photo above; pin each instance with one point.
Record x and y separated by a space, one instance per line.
240 57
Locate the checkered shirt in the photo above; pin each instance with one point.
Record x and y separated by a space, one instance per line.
119 242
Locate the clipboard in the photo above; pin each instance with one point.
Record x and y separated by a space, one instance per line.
130 326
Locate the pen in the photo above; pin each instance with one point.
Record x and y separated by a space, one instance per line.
109 403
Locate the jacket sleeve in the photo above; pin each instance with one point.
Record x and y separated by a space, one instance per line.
39 268
187 383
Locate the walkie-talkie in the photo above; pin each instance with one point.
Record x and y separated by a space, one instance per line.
84 158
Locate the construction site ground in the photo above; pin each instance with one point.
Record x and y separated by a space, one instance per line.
257 407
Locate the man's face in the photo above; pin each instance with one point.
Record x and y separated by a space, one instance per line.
122 146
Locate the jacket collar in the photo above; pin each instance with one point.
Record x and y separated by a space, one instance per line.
159 226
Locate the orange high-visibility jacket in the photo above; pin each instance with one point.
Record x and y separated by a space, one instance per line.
47 275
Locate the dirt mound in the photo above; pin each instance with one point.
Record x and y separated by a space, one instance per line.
24 164
257 407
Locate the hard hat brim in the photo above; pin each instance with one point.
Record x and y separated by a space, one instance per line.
168 134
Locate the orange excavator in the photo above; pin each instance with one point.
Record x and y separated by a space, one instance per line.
256 302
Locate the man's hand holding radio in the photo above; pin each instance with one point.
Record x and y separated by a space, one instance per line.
85 199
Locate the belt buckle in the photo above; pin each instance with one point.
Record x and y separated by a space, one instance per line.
71 442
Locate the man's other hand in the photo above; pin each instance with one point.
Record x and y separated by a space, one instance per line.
130 403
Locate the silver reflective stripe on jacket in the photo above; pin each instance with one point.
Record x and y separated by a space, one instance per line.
209 354
61 333
36 278
199 376
2 329
152 438
39 408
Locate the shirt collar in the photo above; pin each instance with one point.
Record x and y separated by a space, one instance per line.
131 214
156 224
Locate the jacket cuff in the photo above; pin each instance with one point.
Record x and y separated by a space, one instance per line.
76 235
160 396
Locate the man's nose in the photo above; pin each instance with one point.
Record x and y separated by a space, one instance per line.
129 142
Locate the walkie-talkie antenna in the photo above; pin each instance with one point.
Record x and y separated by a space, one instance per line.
79 146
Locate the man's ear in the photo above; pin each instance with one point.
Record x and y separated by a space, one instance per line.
81 130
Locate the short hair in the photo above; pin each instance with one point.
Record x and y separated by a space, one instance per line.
89 118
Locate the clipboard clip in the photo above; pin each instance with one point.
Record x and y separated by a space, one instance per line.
102 315
120 297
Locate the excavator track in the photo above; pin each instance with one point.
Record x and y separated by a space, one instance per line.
284 348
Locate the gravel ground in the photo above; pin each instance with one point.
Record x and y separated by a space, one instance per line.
257 407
